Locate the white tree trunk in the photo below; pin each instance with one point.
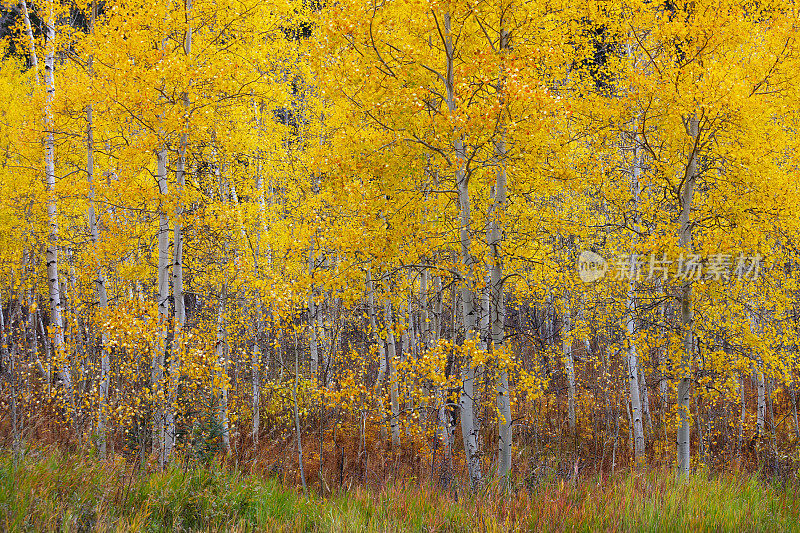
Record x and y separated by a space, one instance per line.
497 308
391 356
569 364
54 286
157 371
465 403
374 325
32 43
177 268
222 411
761 408
687 316
260 231
630 304
312 317
100 286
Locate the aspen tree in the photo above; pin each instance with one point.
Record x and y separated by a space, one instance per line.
497 309
54 285
685 224
160 439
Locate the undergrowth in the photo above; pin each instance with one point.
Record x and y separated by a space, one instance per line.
49 490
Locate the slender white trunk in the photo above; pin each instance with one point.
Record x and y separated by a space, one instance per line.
662 353
100 282
741 420
312 317
645 399
569 364
374 325
177 267
391 356
157 370
260 231
630 304
222 372
31 41
100 286
297 416
424 333
54 286
761 408
497 308
256 384
465 403
687 316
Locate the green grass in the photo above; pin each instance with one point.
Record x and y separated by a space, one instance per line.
51 491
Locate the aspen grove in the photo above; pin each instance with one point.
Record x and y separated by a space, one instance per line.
450 239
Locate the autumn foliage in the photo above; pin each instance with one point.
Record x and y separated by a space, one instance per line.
343 241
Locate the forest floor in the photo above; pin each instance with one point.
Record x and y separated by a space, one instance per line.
49 490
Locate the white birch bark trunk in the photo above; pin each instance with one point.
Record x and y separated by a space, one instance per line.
29 32
758 369
466 410
630 324
54 287
645 399
374 325
222 411
297 415
569 364
687 316
391 356
100 286
742 416
256 385
313 346
630 305
260 232
497 308
761 407
177 267
157 370
100 282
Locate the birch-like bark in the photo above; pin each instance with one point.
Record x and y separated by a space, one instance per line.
100 282
497 308
100 286
157 370
569 364
33 340
312 316
374 325
222 410
662 353
177 264
260 231
761 407
466 410
632 356
32 43
687 316
741 420
54 287
297 417
648 419
758 368
393 381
